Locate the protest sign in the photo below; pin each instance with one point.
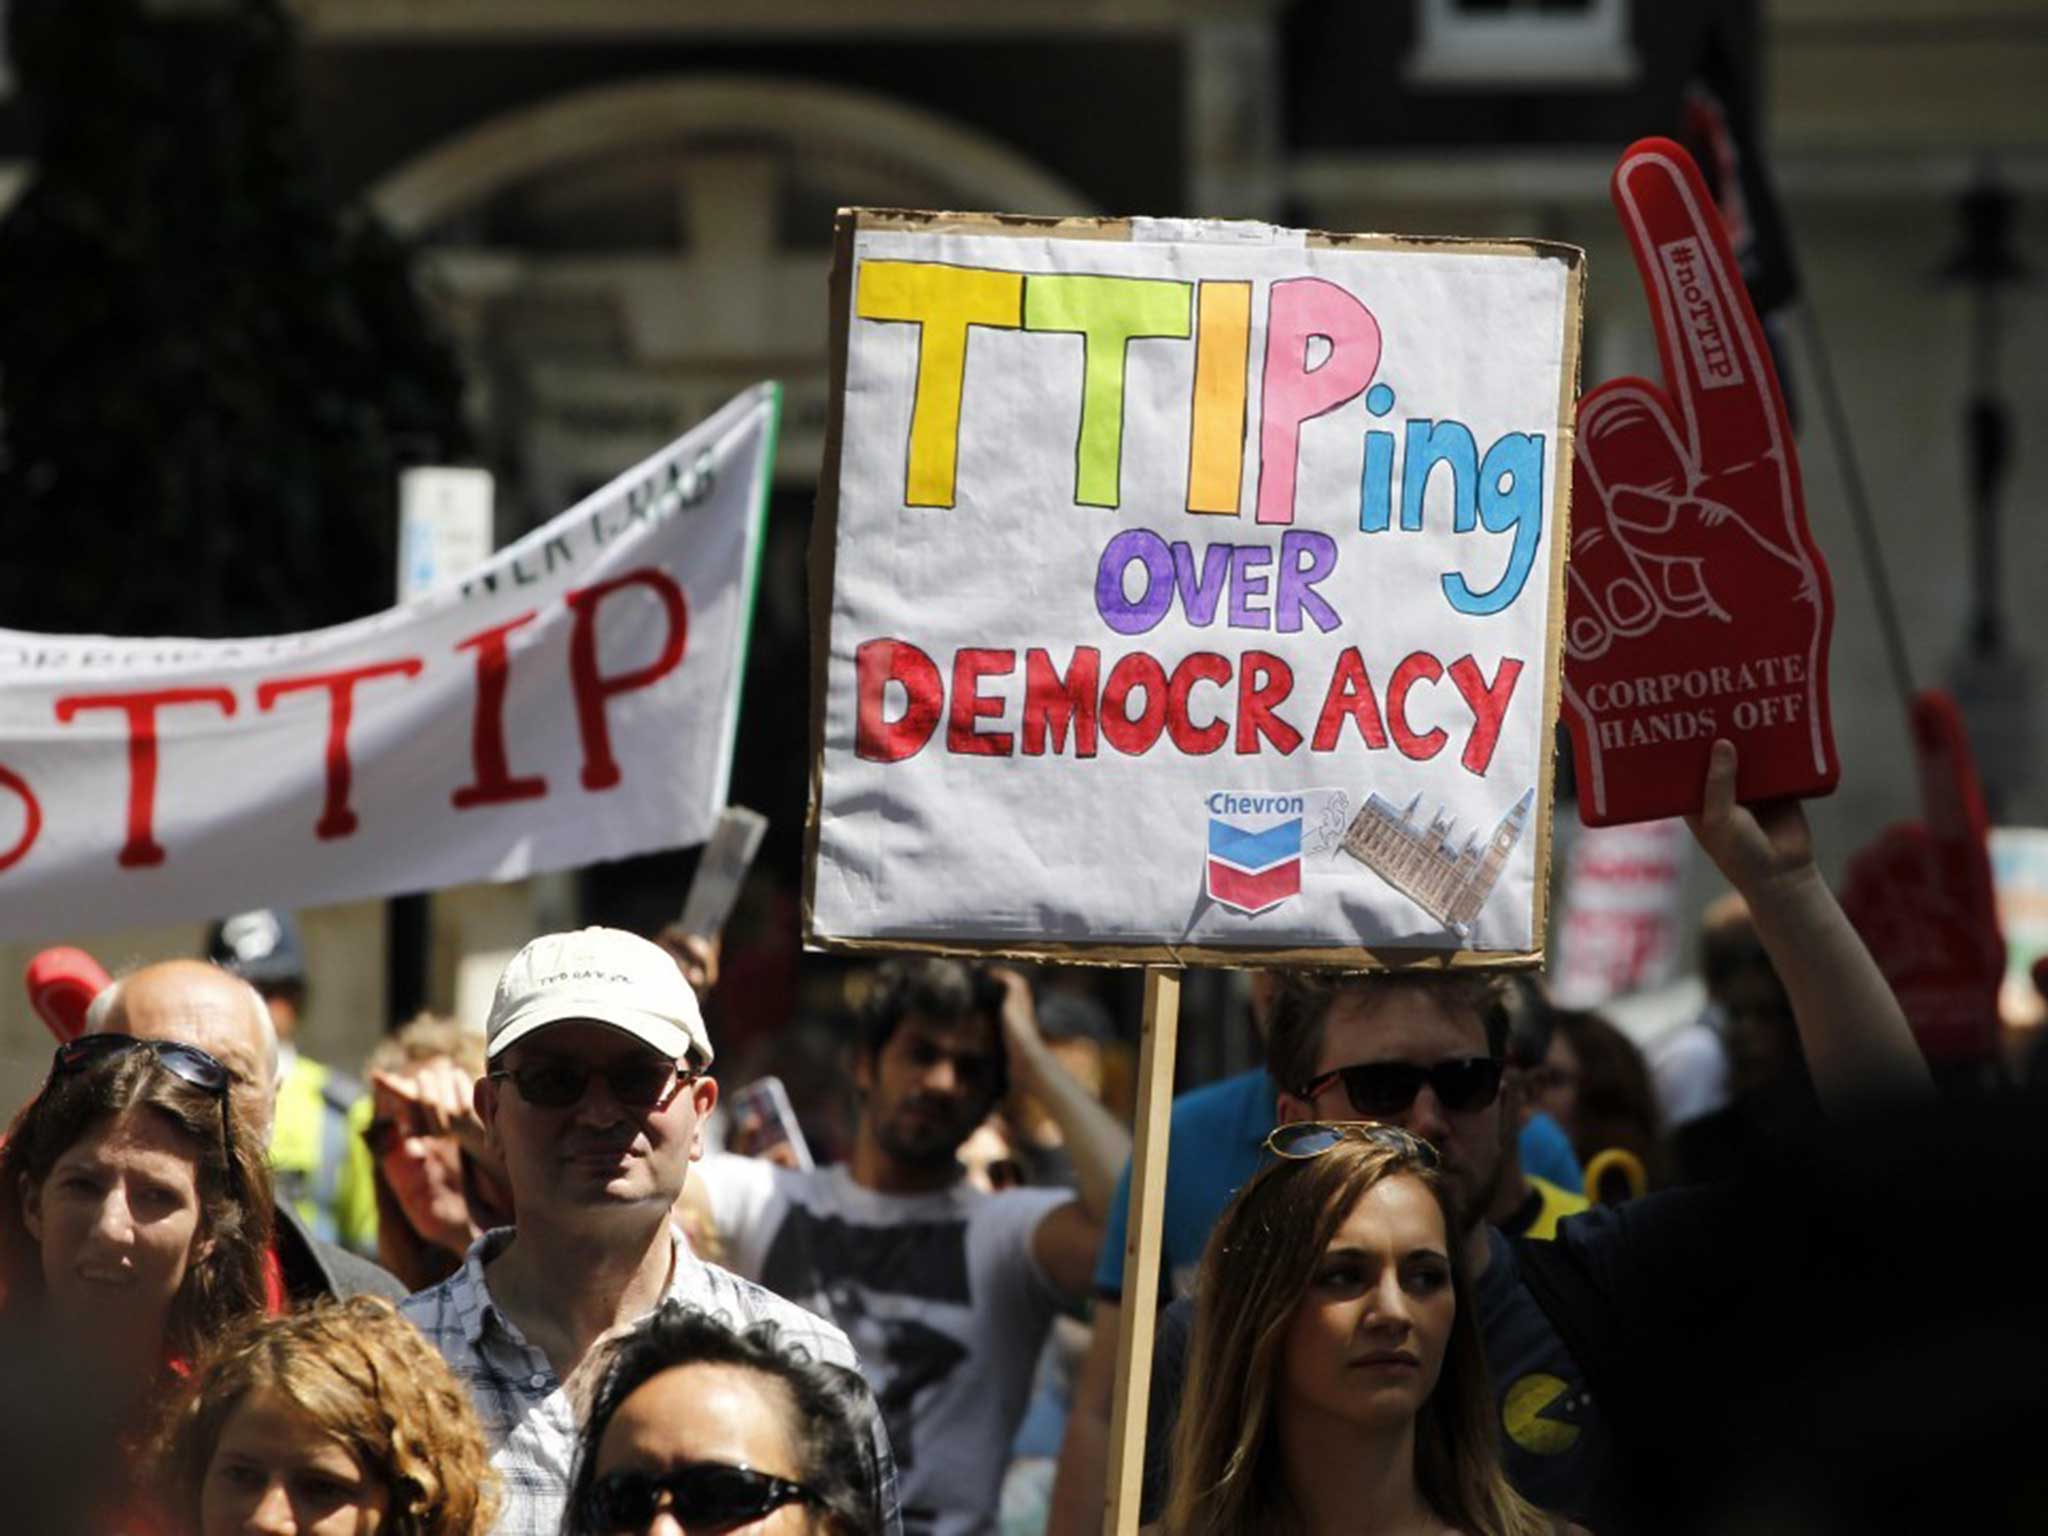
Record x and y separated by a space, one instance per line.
2019 868
572 699
1699 603
1620 929
1188 591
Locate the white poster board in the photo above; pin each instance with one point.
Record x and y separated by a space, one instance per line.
1620 926
573 698
1189 591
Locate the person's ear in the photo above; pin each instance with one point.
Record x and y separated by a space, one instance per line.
484 1095
31 1208
863 1064
1288 1108
704 1098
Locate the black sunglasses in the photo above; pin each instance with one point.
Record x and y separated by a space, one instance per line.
1380 1090
638 1082
187 1063
383 1135
700 1494
1301 1140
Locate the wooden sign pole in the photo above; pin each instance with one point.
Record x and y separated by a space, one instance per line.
1141 1251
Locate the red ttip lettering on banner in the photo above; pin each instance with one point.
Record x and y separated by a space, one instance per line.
600 768
31 816
493 782
336 819
141 848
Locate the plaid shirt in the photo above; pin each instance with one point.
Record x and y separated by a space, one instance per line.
528 1416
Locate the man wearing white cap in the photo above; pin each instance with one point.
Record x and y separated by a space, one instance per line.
597 1087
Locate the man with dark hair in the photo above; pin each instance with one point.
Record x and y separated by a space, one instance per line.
946 1290
1426 1051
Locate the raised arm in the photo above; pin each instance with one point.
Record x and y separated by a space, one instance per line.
1858 1045
1095 1140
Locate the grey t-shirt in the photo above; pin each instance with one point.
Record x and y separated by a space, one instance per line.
940 1295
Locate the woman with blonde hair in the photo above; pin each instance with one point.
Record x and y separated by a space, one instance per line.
337 1421
1336 1380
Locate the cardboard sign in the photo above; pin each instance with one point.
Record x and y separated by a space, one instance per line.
1699 604
2019 867
1621 929
1188 590
574 698
1922 897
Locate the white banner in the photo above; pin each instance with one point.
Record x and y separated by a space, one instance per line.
1193 587
574 699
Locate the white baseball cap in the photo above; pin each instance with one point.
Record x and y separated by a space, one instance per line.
602 974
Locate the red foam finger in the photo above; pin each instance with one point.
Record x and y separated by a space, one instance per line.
1931 948
62 982
1717 365
1952 805
1720 626
1951 798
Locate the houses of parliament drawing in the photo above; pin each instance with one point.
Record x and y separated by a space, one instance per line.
1448 881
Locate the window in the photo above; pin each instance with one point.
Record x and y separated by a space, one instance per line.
1480 43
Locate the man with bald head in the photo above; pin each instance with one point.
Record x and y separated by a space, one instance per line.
196 1003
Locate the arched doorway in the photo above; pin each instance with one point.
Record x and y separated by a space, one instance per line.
616 261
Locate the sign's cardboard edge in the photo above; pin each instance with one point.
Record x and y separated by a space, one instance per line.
1224 957
1029 226
1561 538
824 549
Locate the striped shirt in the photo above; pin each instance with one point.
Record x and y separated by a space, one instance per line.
529 1418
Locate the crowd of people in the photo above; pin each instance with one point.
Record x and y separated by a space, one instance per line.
1434 1267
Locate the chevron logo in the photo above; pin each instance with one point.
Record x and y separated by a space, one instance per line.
1254 869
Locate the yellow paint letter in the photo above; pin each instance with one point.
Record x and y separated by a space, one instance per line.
1216 433
943 302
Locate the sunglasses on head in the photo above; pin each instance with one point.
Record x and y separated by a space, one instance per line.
187 1063
1379 1090
638 1082
700 1495
1304 1139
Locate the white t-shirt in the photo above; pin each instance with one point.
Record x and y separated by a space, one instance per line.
940 1295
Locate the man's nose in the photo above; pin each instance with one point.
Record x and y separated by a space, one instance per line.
1427 1117
942 1076
599 1105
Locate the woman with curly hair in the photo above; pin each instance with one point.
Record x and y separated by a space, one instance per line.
337 1421
694 1426
134 1219
1336 1381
